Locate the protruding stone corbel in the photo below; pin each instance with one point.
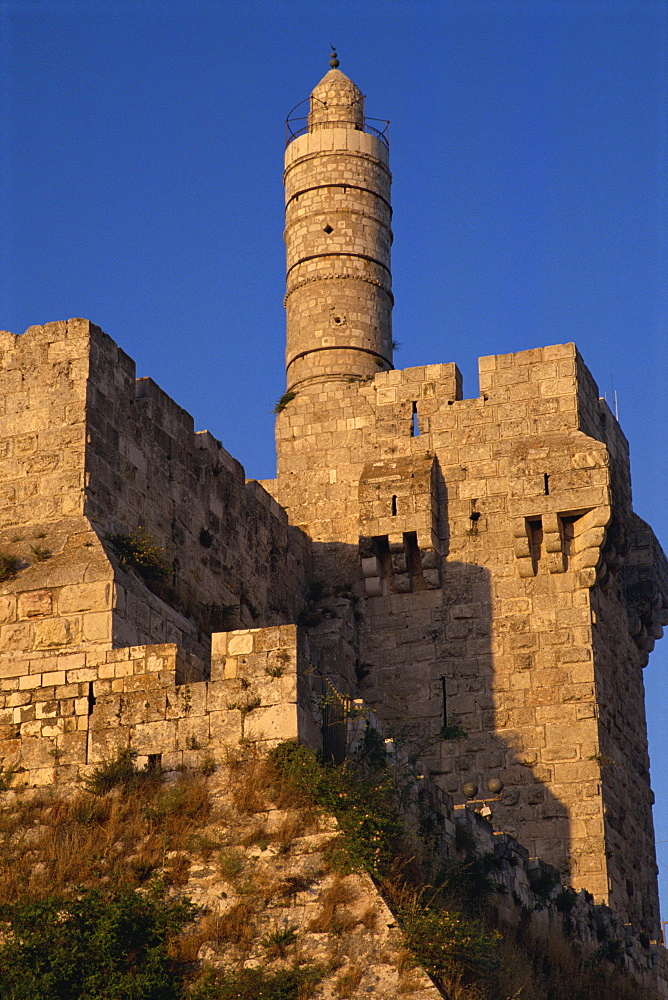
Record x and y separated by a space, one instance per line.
587 544
430 568
401 574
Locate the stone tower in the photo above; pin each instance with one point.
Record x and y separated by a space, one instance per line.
482 559
338 238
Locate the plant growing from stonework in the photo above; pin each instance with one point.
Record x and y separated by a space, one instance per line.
9 566
283 401
6 777
279 940
119 772
141 552
40 554
451 730
441 939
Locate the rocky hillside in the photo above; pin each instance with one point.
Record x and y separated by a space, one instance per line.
262 877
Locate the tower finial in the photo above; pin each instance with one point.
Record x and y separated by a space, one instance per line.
333 61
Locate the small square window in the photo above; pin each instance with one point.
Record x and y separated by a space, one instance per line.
328 229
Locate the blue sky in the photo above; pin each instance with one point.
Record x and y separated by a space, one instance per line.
141 160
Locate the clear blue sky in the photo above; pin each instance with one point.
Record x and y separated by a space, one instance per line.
141 145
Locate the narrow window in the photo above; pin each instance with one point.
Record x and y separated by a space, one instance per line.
535 535
394 506
444 702
416 427
546 484
91 698
91 706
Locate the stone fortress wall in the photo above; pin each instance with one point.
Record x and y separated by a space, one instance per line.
88 453
449 561
506 581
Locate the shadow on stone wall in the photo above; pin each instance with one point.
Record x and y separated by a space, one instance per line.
425 660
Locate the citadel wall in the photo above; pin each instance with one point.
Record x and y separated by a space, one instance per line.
89 453
480 539
64 714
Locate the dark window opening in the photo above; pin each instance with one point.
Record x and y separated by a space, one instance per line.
546 484
381 544
444 702
416 427
413 560
394 506
328 229
535 536
154 762
91 698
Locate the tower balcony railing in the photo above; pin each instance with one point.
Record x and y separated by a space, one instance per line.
294 127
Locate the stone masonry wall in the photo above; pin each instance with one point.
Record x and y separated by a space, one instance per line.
64 592
62 713
88 452
478 607
227 542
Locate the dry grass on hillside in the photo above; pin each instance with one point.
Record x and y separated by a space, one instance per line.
261 843
49 844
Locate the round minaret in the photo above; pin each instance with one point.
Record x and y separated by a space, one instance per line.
338 237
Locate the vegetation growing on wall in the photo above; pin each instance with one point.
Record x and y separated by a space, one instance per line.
283 401
9 566
446 909
140 551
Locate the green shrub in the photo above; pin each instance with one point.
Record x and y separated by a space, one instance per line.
256 984
7 774
9 566
119 772
543 880
141 552
99 946
230 863
277 943
465 885
440 939
40 554
361 799
452 731
281 403
372 753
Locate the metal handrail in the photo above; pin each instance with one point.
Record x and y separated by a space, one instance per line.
292 133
